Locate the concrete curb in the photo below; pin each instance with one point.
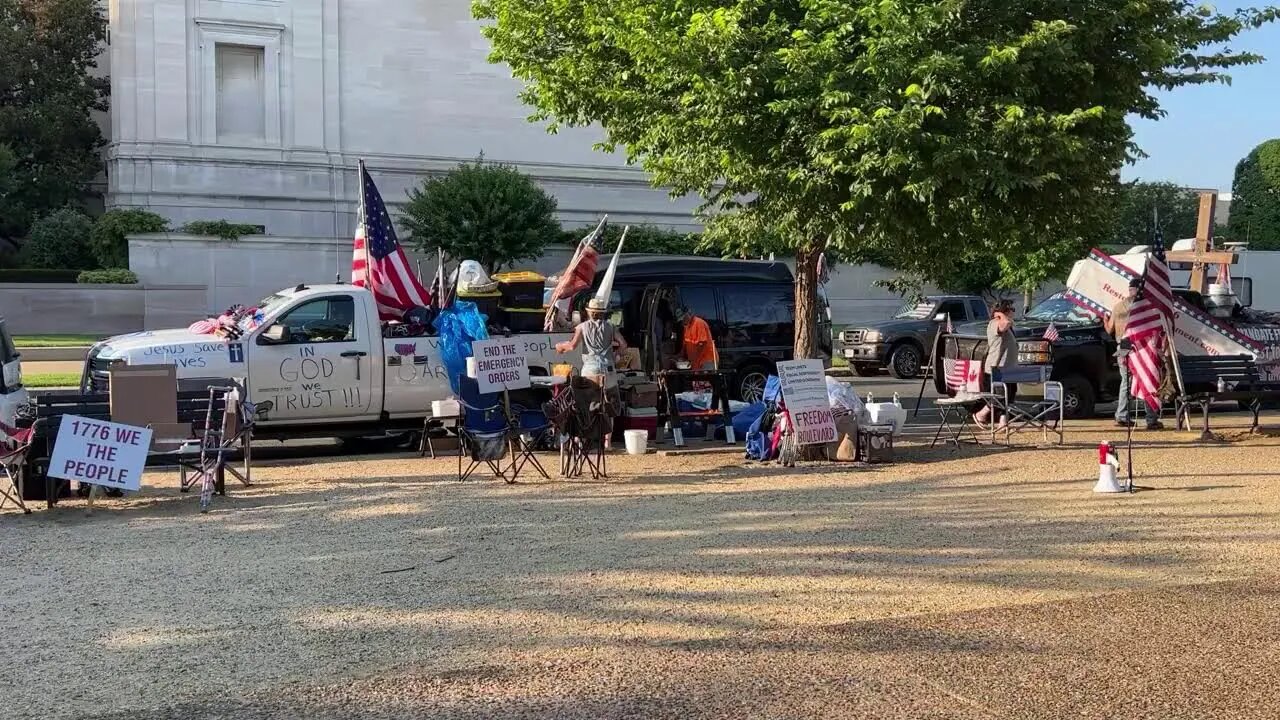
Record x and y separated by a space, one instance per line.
54 354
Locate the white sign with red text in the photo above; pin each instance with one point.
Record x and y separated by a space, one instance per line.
804 390
98 452
501 364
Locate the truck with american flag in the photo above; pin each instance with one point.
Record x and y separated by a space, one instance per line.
1065 332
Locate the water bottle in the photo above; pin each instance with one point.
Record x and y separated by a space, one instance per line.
1222 385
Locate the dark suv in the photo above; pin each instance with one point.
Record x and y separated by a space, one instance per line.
749 305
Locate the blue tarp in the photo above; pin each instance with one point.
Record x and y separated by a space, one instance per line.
458 326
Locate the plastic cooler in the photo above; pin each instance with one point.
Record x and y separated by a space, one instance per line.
638 419
521 290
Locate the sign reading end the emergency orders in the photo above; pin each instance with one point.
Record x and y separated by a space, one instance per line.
98 452
501 364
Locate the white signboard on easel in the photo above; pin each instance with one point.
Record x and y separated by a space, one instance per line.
501 364
804 390
98 452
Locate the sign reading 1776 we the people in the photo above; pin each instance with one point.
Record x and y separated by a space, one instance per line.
804 390
98 452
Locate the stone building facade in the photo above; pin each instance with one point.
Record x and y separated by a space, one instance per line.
257 111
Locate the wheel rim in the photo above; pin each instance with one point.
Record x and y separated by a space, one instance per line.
752 387
907 362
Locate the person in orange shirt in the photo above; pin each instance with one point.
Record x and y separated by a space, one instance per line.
698 347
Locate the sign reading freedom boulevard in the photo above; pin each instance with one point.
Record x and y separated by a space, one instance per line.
804 390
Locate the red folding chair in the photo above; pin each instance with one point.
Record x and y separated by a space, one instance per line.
14 444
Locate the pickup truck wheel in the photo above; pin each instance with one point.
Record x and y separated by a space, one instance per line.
1077 397
904 361
866 369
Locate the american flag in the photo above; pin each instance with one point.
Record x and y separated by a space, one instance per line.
956 371
1051 333
580 273
379 263
1148 317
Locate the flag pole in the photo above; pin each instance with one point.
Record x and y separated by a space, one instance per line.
364 225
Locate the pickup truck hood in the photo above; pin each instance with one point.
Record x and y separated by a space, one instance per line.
186 350
891 326
1022 329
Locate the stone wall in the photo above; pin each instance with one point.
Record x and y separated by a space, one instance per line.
56 308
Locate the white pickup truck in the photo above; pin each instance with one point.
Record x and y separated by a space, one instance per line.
319 356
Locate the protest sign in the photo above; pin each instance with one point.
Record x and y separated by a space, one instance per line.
501 364
804 390
98 452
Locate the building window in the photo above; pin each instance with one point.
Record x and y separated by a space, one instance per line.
241 93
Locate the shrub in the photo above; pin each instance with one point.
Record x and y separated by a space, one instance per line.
109 239
110 276
1255 198
482 211
221 229
60 242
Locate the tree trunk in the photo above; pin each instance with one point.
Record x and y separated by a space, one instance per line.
806 339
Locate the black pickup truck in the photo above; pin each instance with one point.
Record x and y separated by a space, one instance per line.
1083 358
902 342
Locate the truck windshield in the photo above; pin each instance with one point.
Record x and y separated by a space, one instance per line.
1057 308
915 311
268 305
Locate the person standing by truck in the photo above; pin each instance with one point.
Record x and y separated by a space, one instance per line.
1115 323
596 335
697 346
1002 352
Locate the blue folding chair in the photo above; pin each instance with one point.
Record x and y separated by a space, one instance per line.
483 432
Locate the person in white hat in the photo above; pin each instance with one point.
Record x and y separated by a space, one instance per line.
596 335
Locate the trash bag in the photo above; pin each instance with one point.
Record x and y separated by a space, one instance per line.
842 395
746 417
458 326
472 278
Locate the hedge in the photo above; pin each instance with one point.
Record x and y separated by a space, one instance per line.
111 276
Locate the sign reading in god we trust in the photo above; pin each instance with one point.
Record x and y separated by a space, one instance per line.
98 452
804 390
501 364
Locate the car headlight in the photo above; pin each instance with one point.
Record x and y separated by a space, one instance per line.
871 336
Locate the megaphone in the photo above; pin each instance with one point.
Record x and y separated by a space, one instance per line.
1108 465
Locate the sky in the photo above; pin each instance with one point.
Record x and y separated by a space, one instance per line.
1209 128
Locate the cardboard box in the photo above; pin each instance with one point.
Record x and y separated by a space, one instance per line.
143 395
169 436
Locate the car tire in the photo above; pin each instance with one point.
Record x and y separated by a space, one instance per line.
1078 399
906 361
748 384
866 369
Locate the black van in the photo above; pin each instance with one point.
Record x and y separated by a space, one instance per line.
749 305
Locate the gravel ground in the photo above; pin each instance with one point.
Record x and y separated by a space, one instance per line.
974 583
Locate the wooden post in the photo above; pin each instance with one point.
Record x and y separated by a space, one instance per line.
1203 255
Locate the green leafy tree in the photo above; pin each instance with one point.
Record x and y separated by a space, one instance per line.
1179 210
482 211
60 241
1255 198
109 238
930 129
46 97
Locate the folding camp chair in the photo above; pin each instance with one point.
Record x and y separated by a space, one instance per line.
527 428
13 455
579 414
1047 414
218 443
483 433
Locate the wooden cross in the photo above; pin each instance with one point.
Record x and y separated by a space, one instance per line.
1203 255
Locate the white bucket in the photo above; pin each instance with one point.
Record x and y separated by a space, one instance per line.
637 441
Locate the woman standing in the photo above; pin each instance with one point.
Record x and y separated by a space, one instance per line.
596 336
1002 352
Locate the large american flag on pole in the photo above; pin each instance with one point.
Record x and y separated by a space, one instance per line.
1149 316
378 262
580 273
